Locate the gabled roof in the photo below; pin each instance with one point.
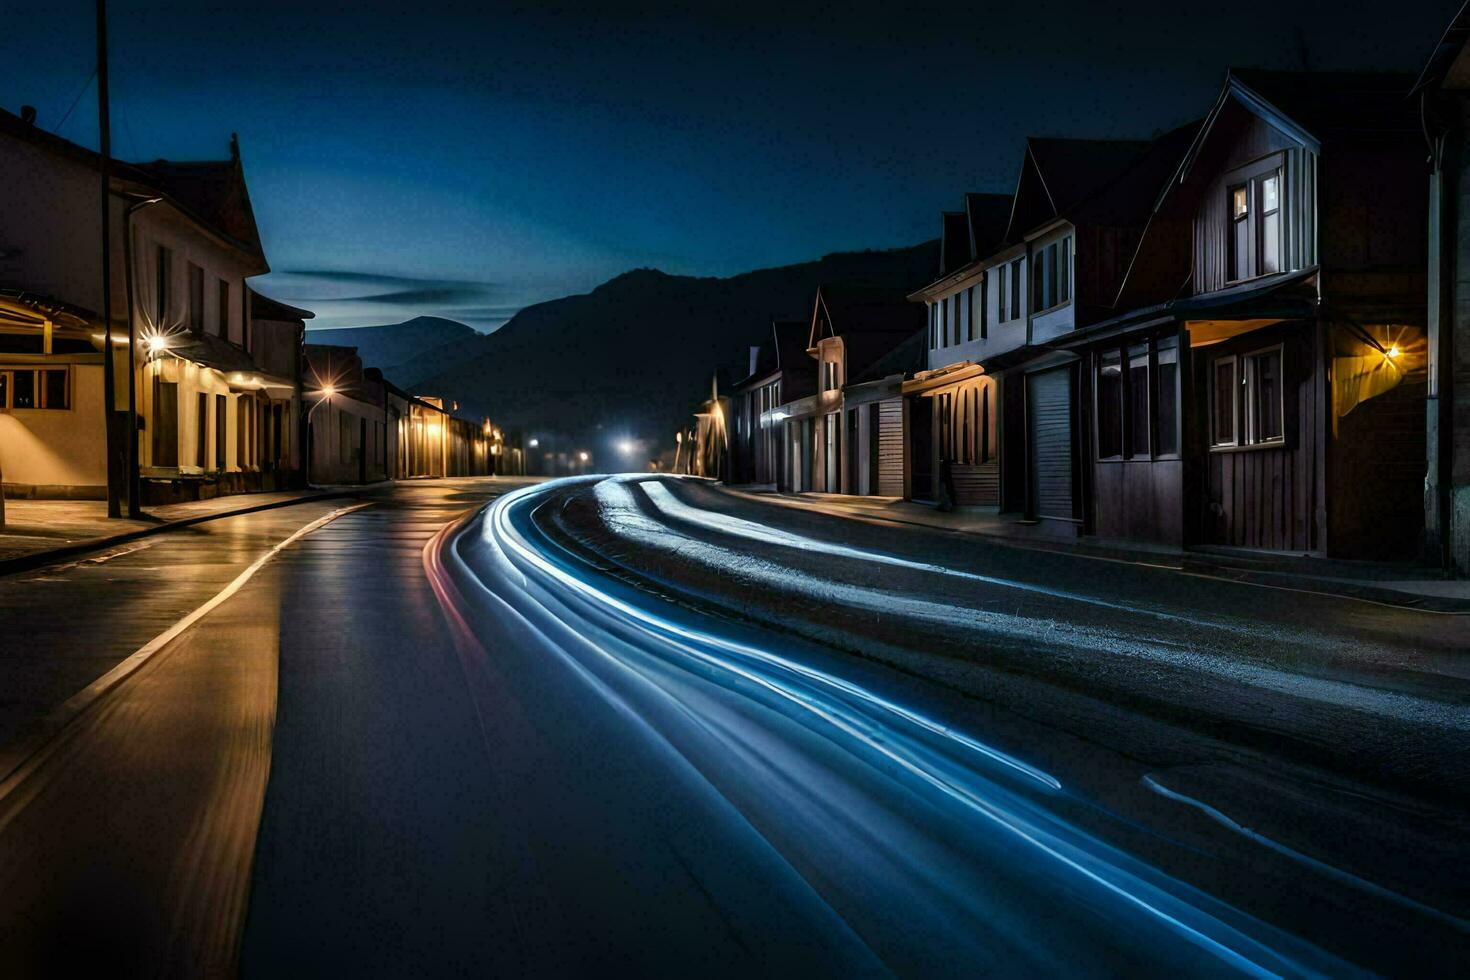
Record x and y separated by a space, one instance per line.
1335 105
1058 174
848 311
1128 200
1312 107
954 242
988 215
211 192
789 339
906 358
871 321
1443 59
765 364
262 307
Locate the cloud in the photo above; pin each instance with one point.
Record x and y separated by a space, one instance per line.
355 299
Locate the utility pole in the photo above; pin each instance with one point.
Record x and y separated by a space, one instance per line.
109 381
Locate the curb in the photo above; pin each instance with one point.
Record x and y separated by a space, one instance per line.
41 559
1183 563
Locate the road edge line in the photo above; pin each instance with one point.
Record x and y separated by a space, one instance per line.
26 756
55 556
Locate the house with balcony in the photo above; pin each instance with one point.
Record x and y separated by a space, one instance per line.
1263 386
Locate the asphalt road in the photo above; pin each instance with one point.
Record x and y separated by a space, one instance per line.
627 728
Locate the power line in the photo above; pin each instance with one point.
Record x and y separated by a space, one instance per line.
83 91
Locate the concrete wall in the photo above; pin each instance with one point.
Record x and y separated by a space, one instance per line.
58 448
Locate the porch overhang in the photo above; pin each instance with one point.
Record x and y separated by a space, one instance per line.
927 381
1277 298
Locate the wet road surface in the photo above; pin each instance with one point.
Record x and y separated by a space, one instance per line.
650 728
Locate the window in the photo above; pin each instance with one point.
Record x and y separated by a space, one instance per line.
201 431
1051 275
1255 223
988 418
196 298
1222 402
39 388
1000 300
976 309
933 321
1064 272
829 376
962 331
1166 399
1263 397
1110 405
1016 288
1246 398
219 432
1271 224
946 308
980 288
222 315
1138 419
1240 216
163 285
165 423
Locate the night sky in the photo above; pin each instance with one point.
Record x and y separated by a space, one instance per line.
465 159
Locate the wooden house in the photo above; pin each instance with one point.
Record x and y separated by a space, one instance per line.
851 329
1265 386
1007 413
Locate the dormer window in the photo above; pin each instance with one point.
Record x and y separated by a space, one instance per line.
1254 200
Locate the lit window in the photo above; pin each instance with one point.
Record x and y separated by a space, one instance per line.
1240 261
1246 395
1270 225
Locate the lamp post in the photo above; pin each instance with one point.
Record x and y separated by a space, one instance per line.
104 161
135 482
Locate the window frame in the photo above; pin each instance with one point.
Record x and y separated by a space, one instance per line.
1216 443
38 388
196 299
1251 178
1246 438
1247 384
1097 415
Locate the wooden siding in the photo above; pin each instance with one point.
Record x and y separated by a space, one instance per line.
1242 141
1266 497
976 485
1140 499
890 448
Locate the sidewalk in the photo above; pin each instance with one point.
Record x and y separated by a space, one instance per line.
1399 584
36 532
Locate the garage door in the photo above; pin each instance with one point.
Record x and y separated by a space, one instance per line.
1049 423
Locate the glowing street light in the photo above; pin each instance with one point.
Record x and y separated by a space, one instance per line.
535 443
625 447
583 457
328 390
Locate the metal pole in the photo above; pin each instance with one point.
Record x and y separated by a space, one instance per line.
109 382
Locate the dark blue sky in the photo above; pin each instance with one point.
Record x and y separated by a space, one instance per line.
510 153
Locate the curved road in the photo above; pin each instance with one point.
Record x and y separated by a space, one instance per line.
641 725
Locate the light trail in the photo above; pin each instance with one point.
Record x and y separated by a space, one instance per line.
624 518
512 561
